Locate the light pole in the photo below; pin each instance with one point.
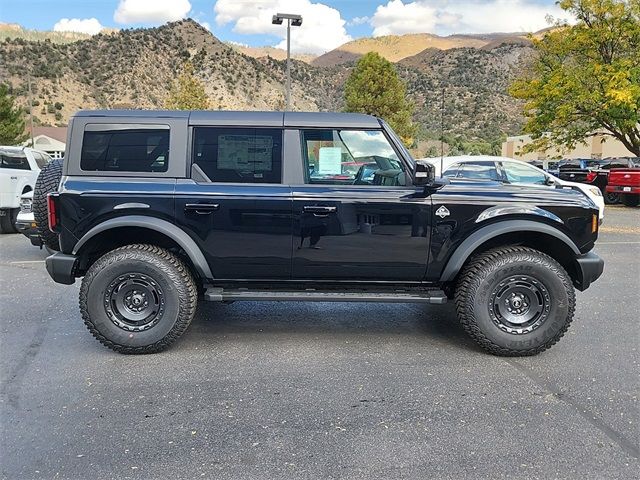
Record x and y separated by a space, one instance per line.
292 20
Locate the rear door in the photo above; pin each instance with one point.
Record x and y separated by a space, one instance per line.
357 215
235 204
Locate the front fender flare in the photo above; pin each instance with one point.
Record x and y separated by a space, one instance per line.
480 236
161 226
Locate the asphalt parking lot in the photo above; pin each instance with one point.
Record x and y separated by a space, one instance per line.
287 390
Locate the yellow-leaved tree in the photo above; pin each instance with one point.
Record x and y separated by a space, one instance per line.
187 92
585 77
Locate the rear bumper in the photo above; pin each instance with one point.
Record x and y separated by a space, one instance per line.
61 267
590 267
621 189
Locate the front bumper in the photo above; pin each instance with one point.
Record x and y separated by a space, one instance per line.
590 267
62 267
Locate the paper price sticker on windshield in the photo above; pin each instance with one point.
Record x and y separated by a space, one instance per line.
330 161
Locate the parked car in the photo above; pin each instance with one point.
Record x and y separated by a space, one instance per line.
626 183
19 168
158 209
509 171
594 172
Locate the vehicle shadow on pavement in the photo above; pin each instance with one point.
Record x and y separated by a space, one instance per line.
422 323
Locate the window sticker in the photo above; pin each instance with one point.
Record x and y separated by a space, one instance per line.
330 161
245 152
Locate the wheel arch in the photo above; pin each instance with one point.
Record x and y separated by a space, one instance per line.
537 235
130 229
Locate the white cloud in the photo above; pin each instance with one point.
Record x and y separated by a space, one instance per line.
151 11
81 25
322 26
358 21
443 17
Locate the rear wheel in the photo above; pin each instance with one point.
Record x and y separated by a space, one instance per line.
47 182
515 301
611 198
631 200
138 299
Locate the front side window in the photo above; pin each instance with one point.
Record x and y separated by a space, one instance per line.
518 173
351 157
14 160
478 171
123 148
238 155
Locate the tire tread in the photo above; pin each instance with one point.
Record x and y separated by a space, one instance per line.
469 283
181 277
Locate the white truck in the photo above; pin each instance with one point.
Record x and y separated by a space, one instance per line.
19 169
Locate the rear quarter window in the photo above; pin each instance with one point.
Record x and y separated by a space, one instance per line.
14 161
125 148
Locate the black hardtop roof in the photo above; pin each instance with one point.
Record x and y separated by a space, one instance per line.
243 118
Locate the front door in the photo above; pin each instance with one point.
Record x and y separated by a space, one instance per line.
355 218
235 205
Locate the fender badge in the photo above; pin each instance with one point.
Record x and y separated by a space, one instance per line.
443 212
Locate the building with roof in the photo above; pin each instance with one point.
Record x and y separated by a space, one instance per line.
598 146
52 140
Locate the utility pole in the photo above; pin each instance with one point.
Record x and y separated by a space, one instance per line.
442 133
30 108
296 21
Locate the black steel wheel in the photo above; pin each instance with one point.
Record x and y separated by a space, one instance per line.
138 299
514 301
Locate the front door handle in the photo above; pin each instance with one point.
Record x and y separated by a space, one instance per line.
318 209
202 208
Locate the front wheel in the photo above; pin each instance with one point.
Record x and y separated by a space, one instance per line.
515 301
138 299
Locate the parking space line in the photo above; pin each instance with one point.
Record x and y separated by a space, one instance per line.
617 243
28 261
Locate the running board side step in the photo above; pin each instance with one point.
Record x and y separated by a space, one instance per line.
213 294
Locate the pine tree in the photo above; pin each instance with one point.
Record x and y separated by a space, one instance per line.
187 92
12 130
375 88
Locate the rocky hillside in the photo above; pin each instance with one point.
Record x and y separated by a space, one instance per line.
135 68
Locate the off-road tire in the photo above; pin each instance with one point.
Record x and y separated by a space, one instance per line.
631 200
8 221
486 272
173 277
47 182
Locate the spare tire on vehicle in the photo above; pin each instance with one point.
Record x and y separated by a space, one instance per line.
47 182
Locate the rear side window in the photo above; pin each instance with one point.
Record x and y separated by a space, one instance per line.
125 148
479 171
40 159
14 160
243 155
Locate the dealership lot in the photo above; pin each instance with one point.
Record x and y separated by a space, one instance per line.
287 390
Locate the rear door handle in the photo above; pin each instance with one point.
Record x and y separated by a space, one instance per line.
318 209
202 208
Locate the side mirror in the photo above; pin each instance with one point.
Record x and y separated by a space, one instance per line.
549 181
424 174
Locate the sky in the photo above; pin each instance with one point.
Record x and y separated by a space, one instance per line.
326 24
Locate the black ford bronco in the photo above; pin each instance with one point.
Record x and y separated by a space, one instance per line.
158 209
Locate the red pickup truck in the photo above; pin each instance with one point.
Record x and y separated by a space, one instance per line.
626 183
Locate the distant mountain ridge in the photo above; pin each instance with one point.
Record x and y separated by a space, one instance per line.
134 68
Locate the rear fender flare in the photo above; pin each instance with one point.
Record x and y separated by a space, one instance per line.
162 226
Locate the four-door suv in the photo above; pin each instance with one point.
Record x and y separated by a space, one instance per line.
158 209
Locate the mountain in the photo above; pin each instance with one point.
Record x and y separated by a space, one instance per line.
396 47
135 68
13 30
273 52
